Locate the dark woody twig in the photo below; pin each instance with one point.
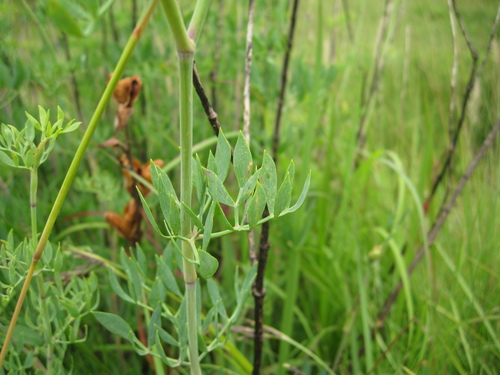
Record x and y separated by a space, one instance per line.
443 214
284 78
211 114
258 287
474 73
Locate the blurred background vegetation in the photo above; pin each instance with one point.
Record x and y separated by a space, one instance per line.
331 264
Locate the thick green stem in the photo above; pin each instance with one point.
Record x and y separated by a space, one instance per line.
186 47
127 52
186 131
174 17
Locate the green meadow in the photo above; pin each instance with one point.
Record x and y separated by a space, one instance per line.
376 95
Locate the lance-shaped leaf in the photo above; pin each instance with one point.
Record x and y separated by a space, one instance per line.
165 274
170 362
115 285
216 189
222 156
199 181
158 293
291 171
153 323
157 175
212 164
149 215
284 196
269 181
209 223
221 216
257 205
192 215
247 190
114 323
208 264
175 215
242 160
302 196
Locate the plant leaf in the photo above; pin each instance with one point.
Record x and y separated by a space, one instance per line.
269 181
115 285
284 196
209 223
221 216
208 264
212 164
302 196
192 215
199 181
114 323
222 156
242 160
63 19
247 190
165 274
153 323
216 189
257 205
149 215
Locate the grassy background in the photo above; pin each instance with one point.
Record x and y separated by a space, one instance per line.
330 263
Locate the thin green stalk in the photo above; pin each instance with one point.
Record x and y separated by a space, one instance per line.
186 131
127 52
198 19
33 190
185 49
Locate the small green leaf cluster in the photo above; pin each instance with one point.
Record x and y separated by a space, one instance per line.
163 298
257 187
58 299
18 148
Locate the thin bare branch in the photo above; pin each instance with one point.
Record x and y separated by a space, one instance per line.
209 111
248 71
474 74
264 245
443 214
284 78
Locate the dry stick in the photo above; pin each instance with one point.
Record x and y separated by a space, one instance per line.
454 71
284 79
350 32
248 71
211 114
474 73
443 214
377 73
218 43
74 83
258 290
246 106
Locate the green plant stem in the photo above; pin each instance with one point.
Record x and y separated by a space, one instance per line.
183 42
120 66
33 190
185 49
186 131
198 19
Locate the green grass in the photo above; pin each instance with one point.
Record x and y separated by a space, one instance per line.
324 290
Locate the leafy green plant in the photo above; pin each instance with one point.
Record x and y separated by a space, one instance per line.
56 307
